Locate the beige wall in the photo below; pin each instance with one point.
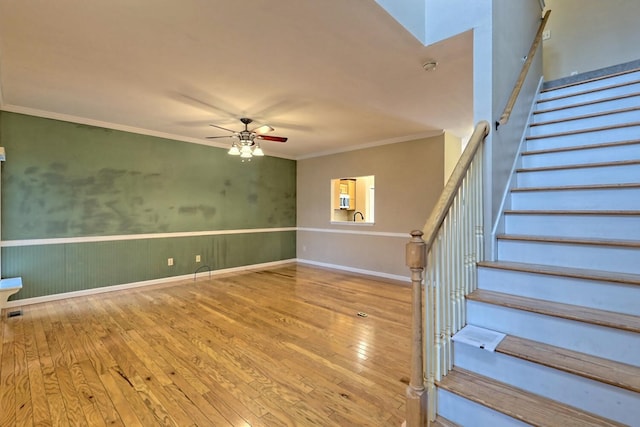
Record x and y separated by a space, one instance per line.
452 152
408 181
590 34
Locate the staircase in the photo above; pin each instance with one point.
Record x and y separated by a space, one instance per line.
565 288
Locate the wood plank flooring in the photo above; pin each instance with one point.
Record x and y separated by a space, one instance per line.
279 347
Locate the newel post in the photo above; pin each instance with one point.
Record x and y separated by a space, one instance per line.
416 259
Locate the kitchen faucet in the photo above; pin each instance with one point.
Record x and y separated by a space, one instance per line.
361 216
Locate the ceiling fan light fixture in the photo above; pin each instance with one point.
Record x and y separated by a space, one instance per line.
234 150
258 151
247 146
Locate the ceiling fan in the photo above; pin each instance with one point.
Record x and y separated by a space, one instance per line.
248 139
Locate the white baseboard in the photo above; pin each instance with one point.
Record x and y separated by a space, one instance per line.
85 292
356 270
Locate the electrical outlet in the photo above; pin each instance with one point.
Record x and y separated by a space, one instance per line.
197 258
170 262
546 34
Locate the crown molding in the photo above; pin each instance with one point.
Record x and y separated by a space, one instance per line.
429 134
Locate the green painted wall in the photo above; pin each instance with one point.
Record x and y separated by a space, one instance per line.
69 180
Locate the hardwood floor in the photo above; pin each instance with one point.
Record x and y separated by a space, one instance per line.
281 347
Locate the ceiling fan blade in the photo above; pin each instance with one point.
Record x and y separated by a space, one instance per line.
220 127
214 137
263 129
272 138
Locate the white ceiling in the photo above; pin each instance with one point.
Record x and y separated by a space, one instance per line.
330 75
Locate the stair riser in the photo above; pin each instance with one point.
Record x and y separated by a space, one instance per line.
618 174
609 343
598 121
588 97
467 413
580 109
581 226
592 396
600 199
626 133
596 84
608 258
579 157
600 295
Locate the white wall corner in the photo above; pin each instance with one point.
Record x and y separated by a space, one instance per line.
447 18
409 13
431 21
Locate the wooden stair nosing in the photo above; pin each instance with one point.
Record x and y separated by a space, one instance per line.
586 116
517 403
577 187
571 240
584 365
591 80
581 166
571 212
586 103
609 319
587 91
569 272
580 131
581 147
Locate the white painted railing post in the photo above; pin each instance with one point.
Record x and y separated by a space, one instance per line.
416 255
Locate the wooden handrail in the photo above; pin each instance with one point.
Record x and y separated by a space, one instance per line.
504 118
439 212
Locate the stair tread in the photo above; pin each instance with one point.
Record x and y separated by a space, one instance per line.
571 240
586 116
586 103
517 403
585 130
581 166
596 368
587 91
609 319
581 147
578 187
578 273
570 212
